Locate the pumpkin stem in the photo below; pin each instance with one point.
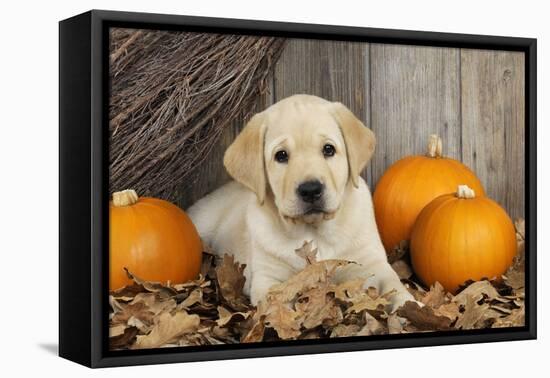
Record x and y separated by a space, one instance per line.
125 198
435 146
464 191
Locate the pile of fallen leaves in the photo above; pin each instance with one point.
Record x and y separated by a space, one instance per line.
311 304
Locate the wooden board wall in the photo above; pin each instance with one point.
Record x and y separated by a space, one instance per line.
474 99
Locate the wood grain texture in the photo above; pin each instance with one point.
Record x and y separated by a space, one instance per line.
334 70
415 92
493 123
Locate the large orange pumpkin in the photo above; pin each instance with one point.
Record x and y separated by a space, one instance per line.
153 238
410 184
460 237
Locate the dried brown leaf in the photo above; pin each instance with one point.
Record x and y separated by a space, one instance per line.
366 302
207 264
402 269
153 287
415 289
372 326
501 309
137 310
515 319
450 310
168 328
435 297
123 340
473 313
141 326
396 324
350 291
231 278
227 317
305 280
154 303
117 330
423 318
127 293
307 252
190 285
316 308
345 330
398 252
515 279
283 319
116 306
477 291
194 297
256 333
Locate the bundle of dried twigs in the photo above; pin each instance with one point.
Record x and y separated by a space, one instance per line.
172 94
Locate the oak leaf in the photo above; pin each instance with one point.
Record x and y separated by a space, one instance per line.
122 341
308 252
231 278
350 291
450 310
515 319
307 279
435 297
477 291
317 308
396 324
227 317
137 310
345 330
366 302
153 287
283 319
372 326
423 318
168 329
473 313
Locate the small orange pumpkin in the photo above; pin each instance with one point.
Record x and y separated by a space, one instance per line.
153 238
410 184
460 237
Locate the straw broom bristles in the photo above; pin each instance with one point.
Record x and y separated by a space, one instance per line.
172 95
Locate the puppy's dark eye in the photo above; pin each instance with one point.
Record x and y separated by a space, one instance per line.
329 150
281 156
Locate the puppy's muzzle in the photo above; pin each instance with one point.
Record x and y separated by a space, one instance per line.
310 191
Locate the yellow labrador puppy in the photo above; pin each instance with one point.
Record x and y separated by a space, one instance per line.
296 167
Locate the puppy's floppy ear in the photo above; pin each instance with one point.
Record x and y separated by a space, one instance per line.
359 139
244 158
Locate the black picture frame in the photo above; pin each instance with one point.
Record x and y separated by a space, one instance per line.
83 195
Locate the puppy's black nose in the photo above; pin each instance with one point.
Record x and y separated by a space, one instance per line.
310 191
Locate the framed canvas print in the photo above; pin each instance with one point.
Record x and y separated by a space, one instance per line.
233 188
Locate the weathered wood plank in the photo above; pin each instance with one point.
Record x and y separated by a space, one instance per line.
334 70
415 92
493 121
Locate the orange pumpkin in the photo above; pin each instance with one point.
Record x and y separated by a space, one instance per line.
410 184
460 237
153 238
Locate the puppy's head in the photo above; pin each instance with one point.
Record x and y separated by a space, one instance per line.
304 150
